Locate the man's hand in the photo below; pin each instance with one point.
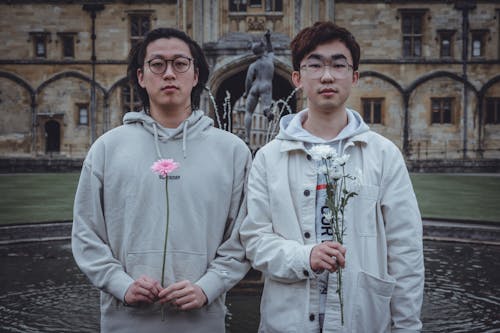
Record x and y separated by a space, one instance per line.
143 290
184 294
327 255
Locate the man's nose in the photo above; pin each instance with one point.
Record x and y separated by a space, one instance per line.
169 70
327 74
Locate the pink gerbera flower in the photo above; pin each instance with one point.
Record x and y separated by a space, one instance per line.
163 167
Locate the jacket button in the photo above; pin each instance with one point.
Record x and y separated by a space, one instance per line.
307 192
311 317
306 273
307 234
309 157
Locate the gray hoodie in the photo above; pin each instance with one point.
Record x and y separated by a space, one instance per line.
120 219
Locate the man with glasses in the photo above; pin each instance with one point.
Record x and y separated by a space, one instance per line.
120 210
287 234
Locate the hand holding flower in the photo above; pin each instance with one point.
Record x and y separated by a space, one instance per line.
321 257
143 290
184 294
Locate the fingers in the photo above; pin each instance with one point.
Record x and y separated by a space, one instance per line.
184 294
144 289
327 256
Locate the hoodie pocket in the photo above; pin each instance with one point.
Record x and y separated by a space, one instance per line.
372 311
179 265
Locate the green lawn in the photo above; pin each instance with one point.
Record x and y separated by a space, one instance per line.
463 197
49 197
39 197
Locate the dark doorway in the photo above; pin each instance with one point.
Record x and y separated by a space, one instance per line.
52 136
282 88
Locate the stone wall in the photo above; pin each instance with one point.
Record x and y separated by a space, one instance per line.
35 91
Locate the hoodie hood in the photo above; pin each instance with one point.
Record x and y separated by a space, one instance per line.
291 128
192 126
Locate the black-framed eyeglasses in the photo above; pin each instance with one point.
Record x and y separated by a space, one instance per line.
180 64
315 68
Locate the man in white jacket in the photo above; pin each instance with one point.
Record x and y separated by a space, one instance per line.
284 232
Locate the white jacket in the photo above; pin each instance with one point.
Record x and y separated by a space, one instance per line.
384 275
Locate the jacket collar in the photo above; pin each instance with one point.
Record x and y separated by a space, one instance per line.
289 145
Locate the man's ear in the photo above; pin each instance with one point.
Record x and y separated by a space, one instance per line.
296 79
196 74
140 77
355 78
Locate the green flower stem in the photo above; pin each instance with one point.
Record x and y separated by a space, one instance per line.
163 314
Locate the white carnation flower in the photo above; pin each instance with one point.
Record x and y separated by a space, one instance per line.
320 152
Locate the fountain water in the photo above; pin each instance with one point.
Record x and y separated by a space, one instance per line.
42 290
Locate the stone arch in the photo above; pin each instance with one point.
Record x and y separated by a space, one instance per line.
17 98
114 105
488 85
68 74
18 80
421 80
383 78
393 116
488 135
232 74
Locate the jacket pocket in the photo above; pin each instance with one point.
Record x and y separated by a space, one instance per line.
280 308
372 312
364 208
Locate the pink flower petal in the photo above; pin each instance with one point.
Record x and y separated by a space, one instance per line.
164 166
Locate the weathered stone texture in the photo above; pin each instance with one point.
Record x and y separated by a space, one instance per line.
59 84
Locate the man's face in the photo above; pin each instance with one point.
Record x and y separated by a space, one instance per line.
326 77
169 88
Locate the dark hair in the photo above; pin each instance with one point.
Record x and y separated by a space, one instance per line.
320 33
138 53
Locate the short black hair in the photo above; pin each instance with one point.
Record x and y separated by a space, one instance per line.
320 33
138 53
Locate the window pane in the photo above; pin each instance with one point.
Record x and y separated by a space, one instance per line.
490 111
40 46
406 24
447 111
445 47
417 24
417 47
377 112
68 46
134 26
476 48
84 116
237 5
367 111
406 47
145 26
278 5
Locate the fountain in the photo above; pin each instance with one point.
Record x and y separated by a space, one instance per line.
42 290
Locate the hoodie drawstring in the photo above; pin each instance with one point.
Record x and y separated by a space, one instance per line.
184 135
155 131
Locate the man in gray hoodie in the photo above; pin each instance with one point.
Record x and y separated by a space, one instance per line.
287 232
120 209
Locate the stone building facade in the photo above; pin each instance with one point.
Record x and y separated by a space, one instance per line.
430 70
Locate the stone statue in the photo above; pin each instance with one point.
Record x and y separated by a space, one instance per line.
259 82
